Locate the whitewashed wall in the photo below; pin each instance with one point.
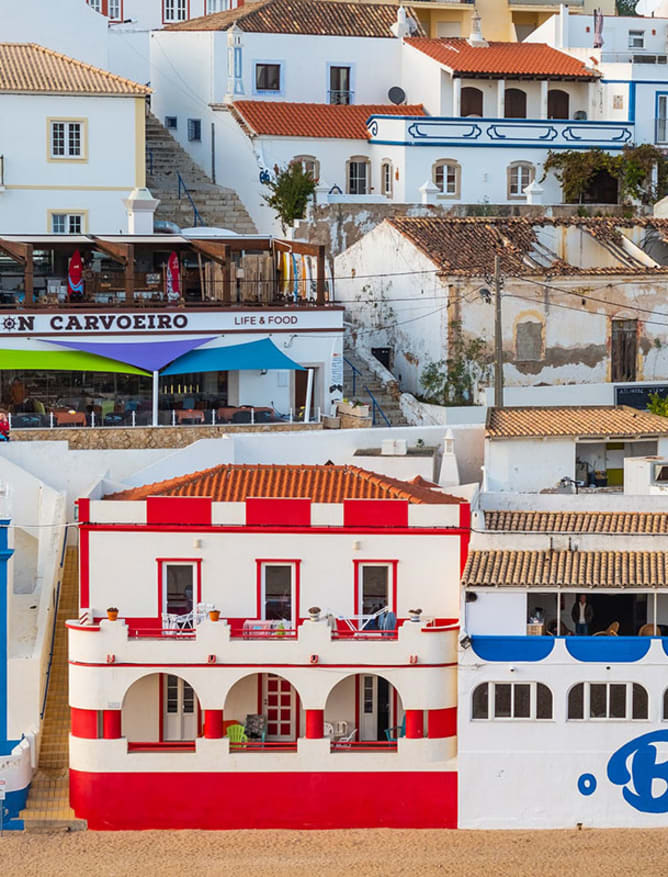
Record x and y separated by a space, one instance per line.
68 26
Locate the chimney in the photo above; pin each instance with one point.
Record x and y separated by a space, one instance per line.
476 39
402 26
141 206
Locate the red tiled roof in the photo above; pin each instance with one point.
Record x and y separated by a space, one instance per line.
230 483
347 122
592 421
502 59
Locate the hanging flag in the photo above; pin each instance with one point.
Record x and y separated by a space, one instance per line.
173 279
75 286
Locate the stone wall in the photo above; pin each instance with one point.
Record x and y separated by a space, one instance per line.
87 439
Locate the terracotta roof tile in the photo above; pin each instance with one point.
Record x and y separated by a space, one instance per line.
566 569
235 483
340 121
629 523
510 60
598 421
27 67
313 17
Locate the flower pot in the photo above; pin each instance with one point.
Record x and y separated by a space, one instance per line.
352 410
214 614
112 614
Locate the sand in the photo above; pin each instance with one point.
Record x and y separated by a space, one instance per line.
360 853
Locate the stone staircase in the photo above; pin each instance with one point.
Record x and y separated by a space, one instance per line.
48 805
165 159
387 400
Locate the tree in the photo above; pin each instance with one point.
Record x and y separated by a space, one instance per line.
658 404
291 189
452 381
626 7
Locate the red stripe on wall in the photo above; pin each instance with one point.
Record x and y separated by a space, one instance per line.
410 799
193 510
84 723
375 513
442 723
83 506
286 512
465 526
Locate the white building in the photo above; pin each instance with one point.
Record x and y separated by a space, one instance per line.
578 301
561 709
314 690
74 149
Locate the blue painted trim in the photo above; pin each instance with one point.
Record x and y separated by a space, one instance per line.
268 92
470 120
602 649
632 102
512 648
657 95
467 145
15 802
664 643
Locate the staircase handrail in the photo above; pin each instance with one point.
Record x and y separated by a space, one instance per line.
149 156
197 216
61 568
375 406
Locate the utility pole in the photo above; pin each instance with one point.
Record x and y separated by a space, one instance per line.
498 336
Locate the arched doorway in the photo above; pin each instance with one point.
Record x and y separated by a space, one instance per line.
471 102
364 707
160 709
515 103
558 104
271 697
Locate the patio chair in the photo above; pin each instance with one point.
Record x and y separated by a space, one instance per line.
393 734
649 630
611 630
347 740
256 727
237 736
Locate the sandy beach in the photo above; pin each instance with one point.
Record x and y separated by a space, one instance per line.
381 852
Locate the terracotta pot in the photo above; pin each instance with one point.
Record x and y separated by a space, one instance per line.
214 614
112 614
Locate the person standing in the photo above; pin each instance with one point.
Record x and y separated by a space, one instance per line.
582 615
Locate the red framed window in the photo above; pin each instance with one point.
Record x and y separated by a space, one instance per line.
113 9
375 585
179 584
278 587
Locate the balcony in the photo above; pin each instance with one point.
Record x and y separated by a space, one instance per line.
580 649
546 133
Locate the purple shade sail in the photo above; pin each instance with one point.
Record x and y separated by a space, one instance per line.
149 355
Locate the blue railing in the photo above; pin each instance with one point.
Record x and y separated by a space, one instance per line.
375 407
149 160
197 217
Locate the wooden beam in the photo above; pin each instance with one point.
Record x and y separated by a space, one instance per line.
28 276
214 250
236 244
301 247
118 252
16 250
227 277
130 275
320 277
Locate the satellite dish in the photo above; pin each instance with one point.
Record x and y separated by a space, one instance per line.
397 95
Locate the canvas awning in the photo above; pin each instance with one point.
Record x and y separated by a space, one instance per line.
149 355
62 360
261 355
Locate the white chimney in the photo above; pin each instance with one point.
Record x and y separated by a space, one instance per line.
141 206
476 39
402 27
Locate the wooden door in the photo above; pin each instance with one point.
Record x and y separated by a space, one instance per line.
624 350
279 701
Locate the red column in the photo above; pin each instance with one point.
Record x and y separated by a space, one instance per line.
111 724
84 723
443 723
213 724
414 724
315 724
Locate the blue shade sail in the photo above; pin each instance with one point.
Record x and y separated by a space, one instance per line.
254 355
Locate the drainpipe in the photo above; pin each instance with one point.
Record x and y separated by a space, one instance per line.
156 391
309 396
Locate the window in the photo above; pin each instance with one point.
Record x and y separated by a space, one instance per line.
512 700
115 11
339 85
216 6
358 176
386 179
519 177
515 103
66 139
178 582
447 177
310 165
374 588
529 341
557 104
267 77
95 5
661 118
660 473
67 223
194 129
665 705
174 10
471 102
607 700
636 39
624 350
277 591
171 123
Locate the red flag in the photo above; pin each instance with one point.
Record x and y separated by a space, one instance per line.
75 276
173 279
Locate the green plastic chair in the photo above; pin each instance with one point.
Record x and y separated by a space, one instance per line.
237 736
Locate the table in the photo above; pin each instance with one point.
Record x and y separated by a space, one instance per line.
189 414
258 627
69 418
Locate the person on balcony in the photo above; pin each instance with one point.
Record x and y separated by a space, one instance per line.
4 427
582 615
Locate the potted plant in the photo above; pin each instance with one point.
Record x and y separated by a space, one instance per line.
355 407
414 614
112 613
214 614
314 613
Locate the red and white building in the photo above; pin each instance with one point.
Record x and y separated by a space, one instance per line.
357 725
